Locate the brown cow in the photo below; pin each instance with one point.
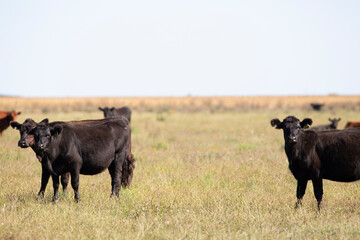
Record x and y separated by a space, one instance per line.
352 124
6 118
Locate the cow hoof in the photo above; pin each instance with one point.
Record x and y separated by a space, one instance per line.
319 206
41 194
298 204
115 196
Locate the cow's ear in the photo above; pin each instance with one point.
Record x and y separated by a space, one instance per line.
18 113
112 109
276 123
339 119
15 125
306 123
55 131
331 119
101 109
46 121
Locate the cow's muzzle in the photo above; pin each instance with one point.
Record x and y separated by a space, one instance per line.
41 147
23 144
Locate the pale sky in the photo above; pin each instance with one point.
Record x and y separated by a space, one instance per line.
179 48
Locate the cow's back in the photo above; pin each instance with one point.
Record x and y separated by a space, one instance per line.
124 111
95 144
339 153
5 120
352 125
3 114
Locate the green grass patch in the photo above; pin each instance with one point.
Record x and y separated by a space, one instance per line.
160 146
245 147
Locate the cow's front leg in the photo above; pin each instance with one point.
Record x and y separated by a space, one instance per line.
45 175
318 190
300 191
56 184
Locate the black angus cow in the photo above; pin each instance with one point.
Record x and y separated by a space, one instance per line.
317 155
333 125
27 140
87 149
316 106
115 112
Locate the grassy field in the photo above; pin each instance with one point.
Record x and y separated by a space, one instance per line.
189 104
199 175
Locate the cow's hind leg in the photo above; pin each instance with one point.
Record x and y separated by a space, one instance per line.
115 170
300 191
318 190
65 181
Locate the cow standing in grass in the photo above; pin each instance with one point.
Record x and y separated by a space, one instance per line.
87 149
116 112
333 125
6 118
318 155
352 125
27 140
317 106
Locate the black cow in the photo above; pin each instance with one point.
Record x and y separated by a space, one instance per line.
87 149
318 155
333 125
27 140
316 106
115 112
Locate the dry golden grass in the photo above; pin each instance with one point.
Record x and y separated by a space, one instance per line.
199 175
45 105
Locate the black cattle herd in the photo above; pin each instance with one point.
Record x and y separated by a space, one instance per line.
81 147
89 147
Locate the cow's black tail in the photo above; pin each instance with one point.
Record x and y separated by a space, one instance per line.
128 170
128 165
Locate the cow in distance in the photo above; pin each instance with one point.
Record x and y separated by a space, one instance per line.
333 125
317 106
6 118
352 125
115 112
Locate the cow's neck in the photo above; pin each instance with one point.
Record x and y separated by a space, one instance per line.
47 164
292 151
